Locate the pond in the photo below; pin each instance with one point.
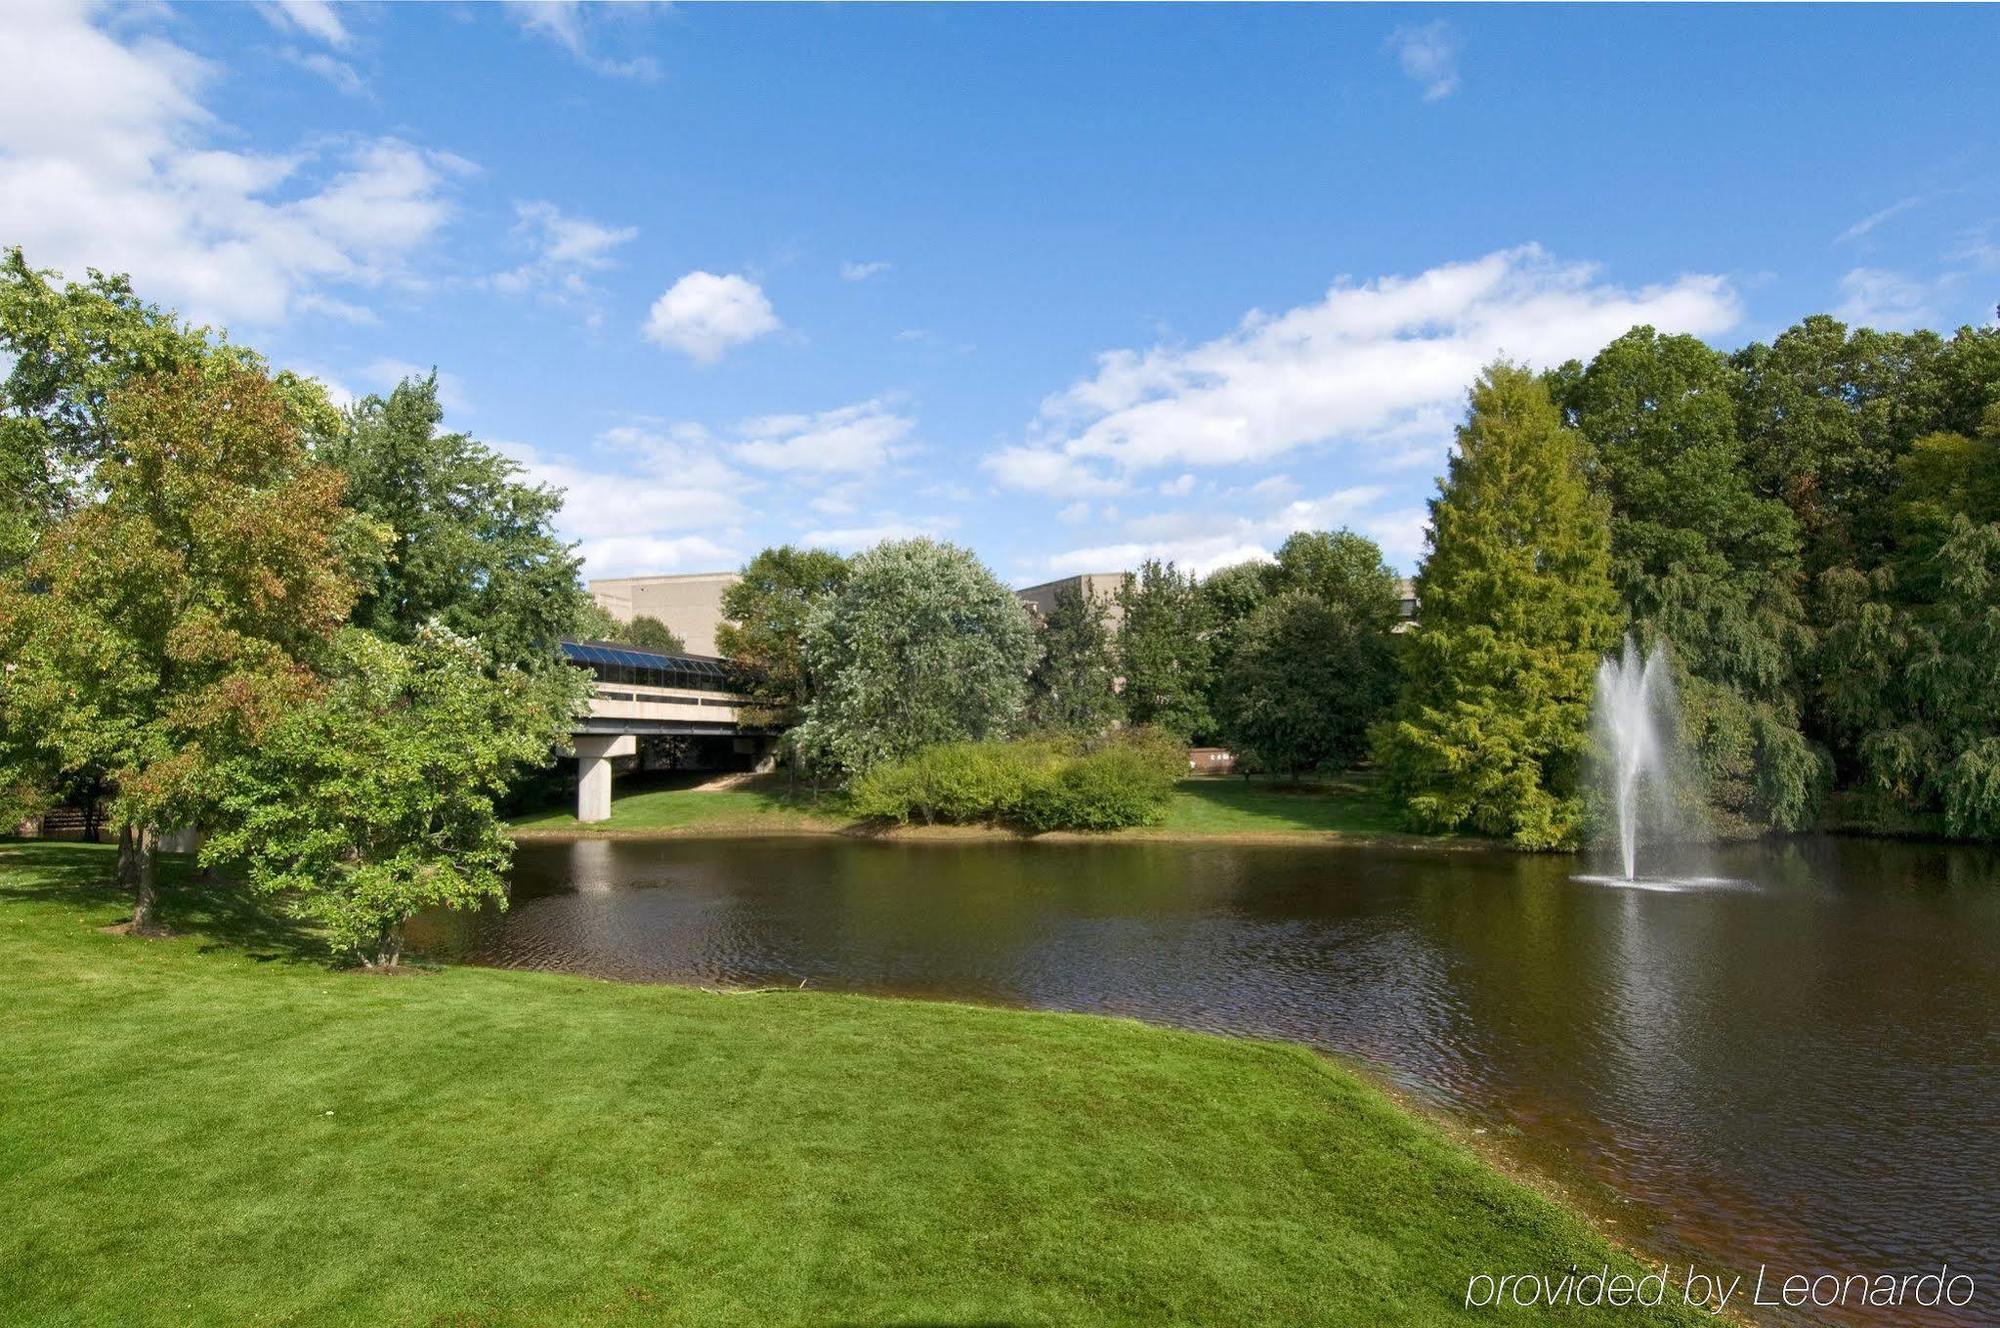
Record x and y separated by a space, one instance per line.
1799 1068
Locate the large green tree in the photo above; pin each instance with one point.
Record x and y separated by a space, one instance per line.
649 633
375 799
1491 729
764 625
1071 685
1705 563
471 547
921 645
1165 651
1341 569
69 348
1305 682
170 620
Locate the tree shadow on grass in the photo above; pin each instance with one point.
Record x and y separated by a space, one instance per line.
220 914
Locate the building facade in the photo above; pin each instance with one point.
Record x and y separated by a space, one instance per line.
690 604
1100 586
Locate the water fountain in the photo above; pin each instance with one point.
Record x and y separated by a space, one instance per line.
1633 714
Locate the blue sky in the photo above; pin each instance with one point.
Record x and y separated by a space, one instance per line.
1067 285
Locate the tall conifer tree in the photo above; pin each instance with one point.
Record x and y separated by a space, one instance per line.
1516 607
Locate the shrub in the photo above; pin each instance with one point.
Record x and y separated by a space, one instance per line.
1038 784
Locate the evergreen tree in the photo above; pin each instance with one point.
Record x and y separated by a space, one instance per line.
1705 563
1492 725
1071 684
1164 651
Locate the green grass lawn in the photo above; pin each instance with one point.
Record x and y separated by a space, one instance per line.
1215 806
215 1129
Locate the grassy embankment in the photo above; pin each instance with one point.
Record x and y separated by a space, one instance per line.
217 1129
1210 808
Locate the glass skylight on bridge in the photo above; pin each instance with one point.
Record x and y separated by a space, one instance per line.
647 668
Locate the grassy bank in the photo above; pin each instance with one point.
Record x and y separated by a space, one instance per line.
1212 808
216 1129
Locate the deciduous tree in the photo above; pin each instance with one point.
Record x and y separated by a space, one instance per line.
1165 652
921 645
1304 684
1070 686
764 625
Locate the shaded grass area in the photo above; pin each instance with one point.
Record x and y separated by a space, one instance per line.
217 1129
1200 808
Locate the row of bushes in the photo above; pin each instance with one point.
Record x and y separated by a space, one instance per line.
1045 783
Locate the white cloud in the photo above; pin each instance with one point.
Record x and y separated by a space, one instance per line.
703 315
566 250
1074 514
1203 540
562 22
859 437
1048 470
1428 54
107 160
337 72
1382 366
862 271
314 18
852 538
1179 487
1891 300
647 500
1874 219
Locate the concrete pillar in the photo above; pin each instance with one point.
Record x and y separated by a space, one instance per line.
593 772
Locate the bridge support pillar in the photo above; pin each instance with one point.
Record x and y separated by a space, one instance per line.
593 772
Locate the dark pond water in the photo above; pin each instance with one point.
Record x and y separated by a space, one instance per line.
1801 1070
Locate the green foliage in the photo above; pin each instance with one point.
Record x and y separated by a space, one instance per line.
765 625
1518 607
1706 563
71 347
1070 686
649 633
1305 683
1164 650
1229 596
471 547
376 798
1344 571
921 645
1037 784
177 616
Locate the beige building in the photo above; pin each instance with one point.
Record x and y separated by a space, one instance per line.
690 604
1100 586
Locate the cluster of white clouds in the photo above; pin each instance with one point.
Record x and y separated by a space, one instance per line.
703 315
1378 369
111 157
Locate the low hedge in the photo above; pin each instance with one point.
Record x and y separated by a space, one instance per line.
1048 783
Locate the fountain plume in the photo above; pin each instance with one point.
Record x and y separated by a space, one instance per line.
1634 715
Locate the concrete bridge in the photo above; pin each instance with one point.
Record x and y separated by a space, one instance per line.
641 694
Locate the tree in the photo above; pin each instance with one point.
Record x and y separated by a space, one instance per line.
1344 571
1705 563
70 347
376 799
1164 651
168 623
471 547
1229 596
649 633
765 625
1305 682
1492 724
1070 686
921 645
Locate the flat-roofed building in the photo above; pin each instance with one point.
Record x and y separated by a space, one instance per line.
691 604
1100 586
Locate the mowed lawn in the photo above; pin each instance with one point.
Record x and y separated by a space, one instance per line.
216 1129
1349 805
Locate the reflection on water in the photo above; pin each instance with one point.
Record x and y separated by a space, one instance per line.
1804 1070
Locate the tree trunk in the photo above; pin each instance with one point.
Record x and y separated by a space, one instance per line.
145 896
389 947
128 857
